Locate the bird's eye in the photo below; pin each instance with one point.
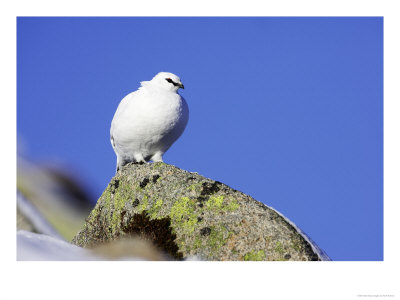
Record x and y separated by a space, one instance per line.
169 80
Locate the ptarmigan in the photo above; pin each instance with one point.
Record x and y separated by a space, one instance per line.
148 121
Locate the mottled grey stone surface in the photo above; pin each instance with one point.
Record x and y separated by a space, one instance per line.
186 214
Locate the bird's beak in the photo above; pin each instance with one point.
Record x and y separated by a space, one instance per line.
181 86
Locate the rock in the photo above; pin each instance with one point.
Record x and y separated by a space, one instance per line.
188 215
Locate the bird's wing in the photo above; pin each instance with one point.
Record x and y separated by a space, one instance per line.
120 109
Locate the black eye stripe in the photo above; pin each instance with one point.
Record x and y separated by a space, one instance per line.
171 81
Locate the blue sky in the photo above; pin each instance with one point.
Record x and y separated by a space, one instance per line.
287 110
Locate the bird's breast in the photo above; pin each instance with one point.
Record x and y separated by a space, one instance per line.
150 116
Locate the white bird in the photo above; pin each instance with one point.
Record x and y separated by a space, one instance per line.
148 121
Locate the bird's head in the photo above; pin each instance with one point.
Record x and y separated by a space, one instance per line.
167 81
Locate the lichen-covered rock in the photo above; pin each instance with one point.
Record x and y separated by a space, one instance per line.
186 214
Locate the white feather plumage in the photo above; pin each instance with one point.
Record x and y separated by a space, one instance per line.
148 121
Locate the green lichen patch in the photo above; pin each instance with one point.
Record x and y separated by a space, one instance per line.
155 209
183 214
195 187
107 196
144 204
218 204
232 205
157 165
215 203
255 256
117 195
197 243
93 216
218 237
279 248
